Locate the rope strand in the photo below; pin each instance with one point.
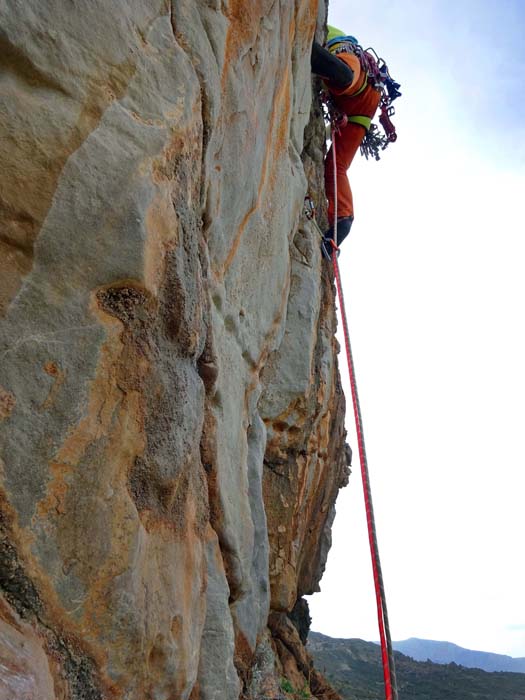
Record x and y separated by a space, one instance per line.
387 655
333 131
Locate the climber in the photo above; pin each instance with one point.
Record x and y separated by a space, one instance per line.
353 95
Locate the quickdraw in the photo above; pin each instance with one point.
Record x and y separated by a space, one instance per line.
374 141
309 208
333 117
384 119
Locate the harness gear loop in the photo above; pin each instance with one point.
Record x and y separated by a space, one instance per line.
387 654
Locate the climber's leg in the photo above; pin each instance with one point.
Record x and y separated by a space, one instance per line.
346 145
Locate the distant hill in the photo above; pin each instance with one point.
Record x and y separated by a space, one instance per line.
353 667
446 653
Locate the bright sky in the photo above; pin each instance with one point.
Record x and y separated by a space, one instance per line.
435 284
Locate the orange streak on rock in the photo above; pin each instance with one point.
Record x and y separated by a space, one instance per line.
7 403
39 163
244 20
274 148
25 668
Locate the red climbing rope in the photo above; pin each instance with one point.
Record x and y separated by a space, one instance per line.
387 655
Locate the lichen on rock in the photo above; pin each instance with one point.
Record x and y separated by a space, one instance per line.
171 416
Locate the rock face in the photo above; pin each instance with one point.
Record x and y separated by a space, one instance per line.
171 419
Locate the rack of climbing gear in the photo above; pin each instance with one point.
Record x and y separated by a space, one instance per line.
379 77
387 654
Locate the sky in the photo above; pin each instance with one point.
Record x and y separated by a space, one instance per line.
434 283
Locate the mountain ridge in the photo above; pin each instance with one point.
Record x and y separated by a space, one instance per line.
353 667
442 652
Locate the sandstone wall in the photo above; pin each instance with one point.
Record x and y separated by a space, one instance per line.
171 420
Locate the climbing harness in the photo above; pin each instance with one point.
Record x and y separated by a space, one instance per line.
387 654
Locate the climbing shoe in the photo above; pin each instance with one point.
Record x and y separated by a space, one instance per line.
327 245
343 229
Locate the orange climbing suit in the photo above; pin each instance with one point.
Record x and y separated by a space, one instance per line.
362 104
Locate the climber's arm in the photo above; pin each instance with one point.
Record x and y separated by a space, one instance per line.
330 67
